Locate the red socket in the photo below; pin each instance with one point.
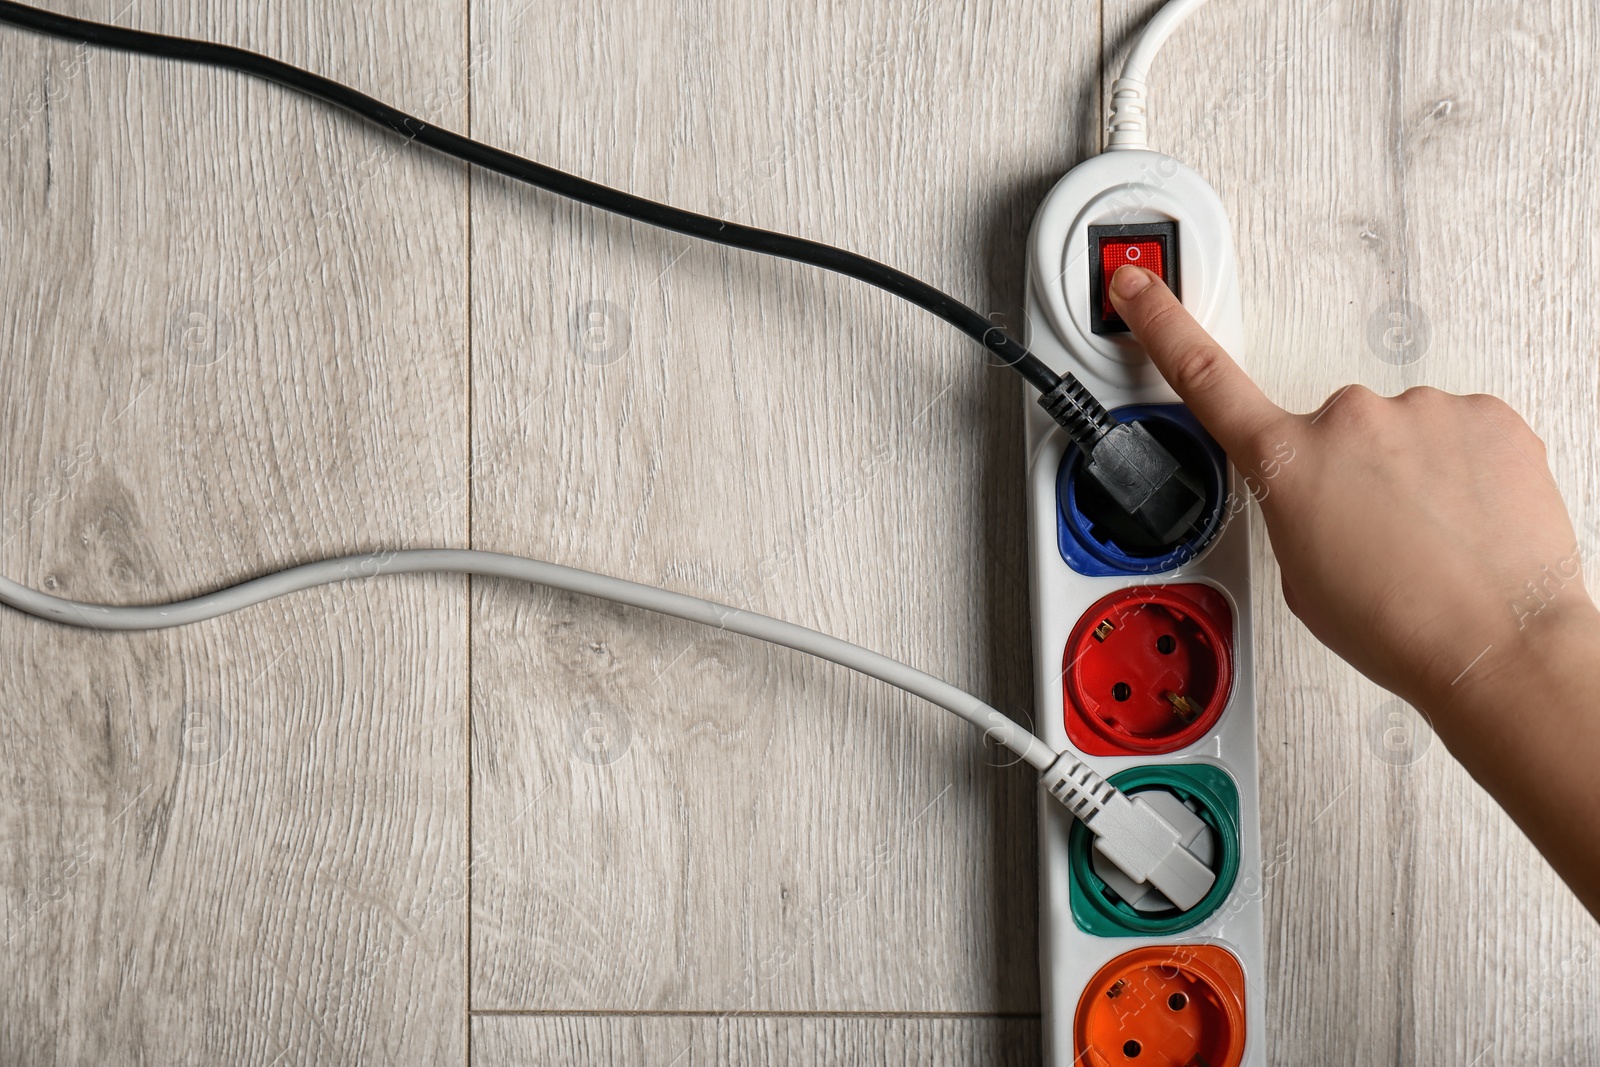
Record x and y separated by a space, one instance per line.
1148 670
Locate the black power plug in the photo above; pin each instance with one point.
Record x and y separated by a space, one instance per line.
1137 472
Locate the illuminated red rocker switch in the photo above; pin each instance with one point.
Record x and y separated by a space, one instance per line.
1151 245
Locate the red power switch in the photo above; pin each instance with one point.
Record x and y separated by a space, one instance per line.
1113 254
1149 245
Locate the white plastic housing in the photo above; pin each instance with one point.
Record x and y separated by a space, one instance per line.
1111 189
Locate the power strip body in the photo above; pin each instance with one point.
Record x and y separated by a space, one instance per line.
1130 188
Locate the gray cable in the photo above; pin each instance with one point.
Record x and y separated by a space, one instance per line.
1131 833
495 565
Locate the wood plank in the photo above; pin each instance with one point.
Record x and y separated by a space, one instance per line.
234 339
760 1041
235 332
763 831
1426 154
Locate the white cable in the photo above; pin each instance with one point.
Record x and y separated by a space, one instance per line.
1128 113
1131 833
492 564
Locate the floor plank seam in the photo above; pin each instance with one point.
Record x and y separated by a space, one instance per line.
560 1013
466 948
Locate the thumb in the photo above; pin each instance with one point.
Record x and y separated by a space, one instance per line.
1228 404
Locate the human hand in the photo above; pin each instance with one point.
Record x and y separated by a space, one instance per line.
1420 537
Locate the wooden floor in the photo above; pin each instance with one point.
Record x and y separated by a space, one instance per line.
427 820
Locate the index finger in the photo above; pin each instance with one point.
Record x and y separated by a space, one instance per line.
1228 404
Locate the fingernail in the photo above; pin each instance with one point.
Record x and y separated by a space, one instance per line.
1129 281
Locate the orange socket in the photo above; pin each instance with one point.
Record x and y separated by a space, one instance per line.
1163 1006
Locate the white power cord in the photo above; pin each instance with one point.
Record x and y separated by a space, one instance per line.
1131 833
1128 113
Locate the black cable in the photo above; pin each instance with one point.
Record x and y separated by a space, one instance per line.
963 318
1140 475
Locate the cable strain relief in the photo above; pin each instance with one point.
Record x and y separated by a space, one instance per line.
1077 411
1080 789
1127 127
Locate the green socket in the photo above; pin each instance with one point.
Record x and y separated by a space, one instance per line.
1099 911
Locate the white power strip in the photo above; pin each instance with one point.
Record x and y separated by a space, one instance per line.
1127 978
